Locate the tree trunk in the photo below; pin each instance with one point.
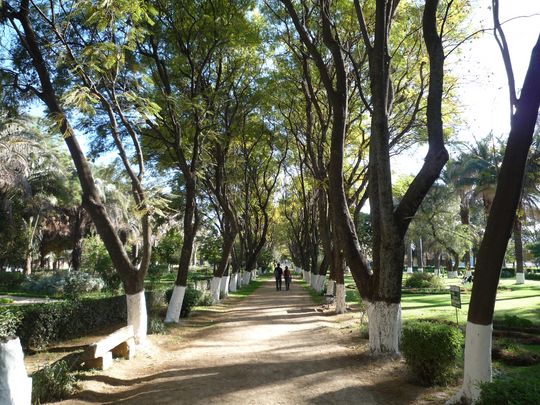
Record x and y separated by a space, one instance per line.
501 219
191 222
518 251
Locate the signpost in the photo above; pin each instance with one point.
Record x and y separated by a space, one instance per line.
455 299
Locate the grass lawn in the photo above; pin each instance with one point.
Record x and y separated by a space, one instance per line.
512 299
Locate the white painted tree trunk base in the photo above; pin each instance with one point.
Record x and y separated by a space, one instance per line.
15 385
175 305
452 274
477 362
320 283
409 270
224 286
384 324
330 287
240 280
308 277
137 316
341 307
214 289
233 282
247 277
420 269
520 278
304 275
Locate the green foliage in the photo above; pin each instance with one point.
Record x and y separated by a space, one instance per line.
424 280
510 391
191 298
71 284
514 321
508 272
168 248
210 248
431 350
96 260
56 321
53 382
9 322
155 326
10 281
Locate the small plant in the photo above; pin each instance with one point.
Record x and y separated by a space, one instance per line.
53 382
431 351
510 391
9 322
5 301
70 283
205 300
424 280
155 326
12 280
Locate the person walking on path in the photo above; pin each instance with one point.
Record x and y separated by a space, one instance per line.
278 272
287 276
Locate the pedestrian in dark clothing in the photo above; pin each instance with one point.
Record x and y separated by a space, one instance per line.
287 276
278 272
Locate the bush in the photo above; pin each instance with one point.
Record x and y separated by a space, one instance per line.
155 326
61 282
52 383
431 350
532 276
510 391
514 321
9 321
508 272
191 298
45 323
424 280
10 281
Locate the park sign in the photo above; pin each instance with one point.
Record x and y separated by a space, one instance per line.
455 296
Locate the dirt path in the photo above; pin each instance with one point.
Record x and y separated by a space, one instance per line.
273 347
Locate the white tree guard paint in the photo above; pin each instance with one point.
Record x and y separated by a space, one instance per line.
384 326
420 269
340 299
304 275
330 287
452 274
15 385
477 361
214 288
320 283
313 280
520 278
233 282
409 270
247 277
224 286
137 316
175 305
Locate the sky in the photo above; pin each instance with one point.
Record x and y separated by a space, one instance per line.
483 91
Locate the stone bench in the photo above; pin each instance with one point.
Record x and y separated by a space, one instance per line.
120 343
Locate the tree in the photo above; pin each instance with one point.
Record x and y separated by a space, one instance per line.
380 286
477 368
94 79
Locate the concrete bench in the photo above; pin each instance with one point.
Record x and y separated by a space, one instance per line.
118 344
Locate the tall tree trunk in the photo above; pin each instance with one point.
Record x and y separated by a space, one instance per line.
191 223
499 225
518 250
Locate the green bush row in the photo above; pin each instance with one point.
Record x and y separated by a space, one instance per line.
38 325
431 350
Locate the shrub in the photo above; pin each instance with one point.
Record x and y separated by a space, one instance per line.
5 300
532 276
12 280
510 391
424 280
45 323
95 259
206 300
9 321
508 272
431 350
191 298
61 282
155 326
514 321
52 383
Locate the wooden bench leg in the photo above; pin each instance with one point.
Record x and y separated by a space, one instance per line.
101 363
125 349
